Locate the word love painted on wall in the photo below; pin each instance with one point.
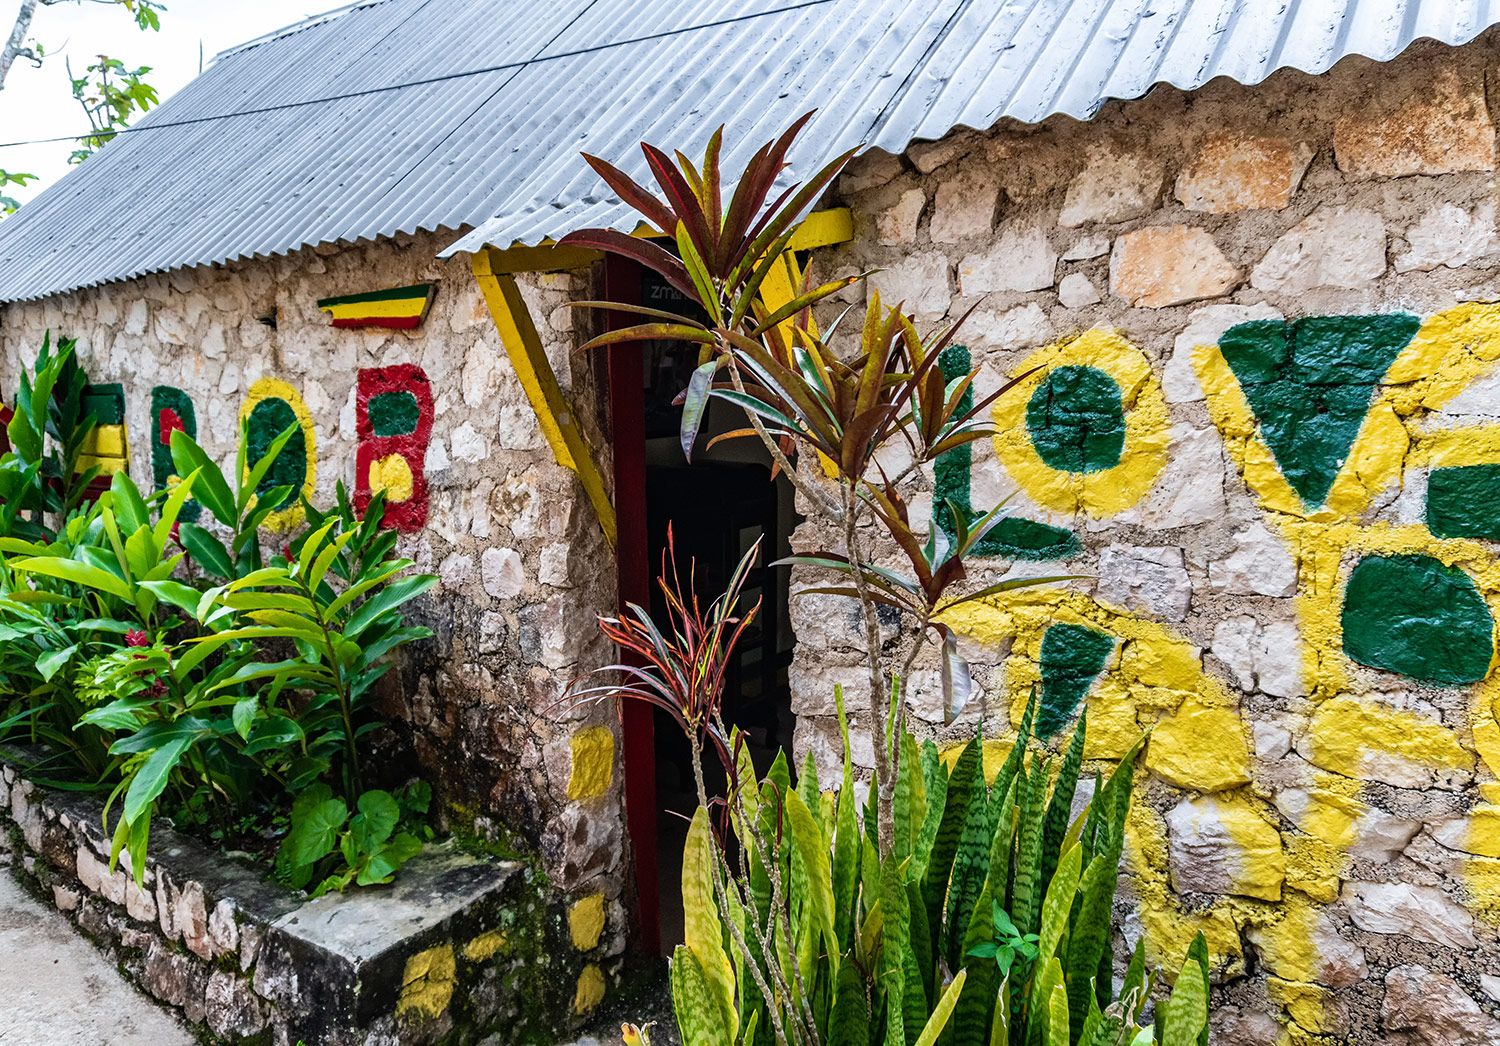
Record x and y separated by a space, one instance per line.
1379 673
393 420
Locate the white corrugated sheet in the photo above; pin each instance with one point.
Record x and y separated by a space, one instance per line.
298 138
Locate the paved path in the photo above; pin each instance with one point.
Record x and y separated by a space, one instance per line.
57 989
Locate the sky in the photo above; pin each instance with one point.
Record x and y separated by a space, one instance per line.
37 103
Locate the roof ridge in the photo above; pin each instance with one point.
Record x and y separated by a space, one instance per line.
310 22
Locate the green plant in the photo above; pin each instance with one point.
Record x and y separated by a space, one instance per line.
797 392
1007 943
327 844
824 922
40 479
109 94
224 697
237 503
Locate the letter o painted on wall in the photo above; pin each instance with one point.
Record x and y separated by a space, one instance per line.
270 408
1086 429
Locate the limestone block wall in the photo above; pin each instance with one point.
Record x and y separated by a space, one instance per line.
522 562
1264 422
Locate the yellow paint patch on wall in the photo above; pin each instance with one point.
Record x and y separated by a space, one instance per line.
590 991
1311 1006
1147 431
593 763
1359 740
427 982
1168 929
1200 748
392 474
486 946
586 922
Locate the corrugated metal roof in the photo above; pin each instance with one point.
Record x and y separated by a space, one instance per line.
297 139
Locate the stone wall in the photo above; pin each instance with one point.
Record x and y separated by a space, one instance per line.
522 562
461 947
1264 426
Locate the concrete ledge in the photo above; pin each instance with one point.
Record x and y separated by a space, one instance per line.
458 948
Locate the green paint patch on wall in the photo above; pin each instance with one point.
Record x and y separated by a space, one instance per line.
1310 384
1011 538
105 402
1017 538
1464 502
268 420
1072 658
1414 616
1076 418
394 414
171 411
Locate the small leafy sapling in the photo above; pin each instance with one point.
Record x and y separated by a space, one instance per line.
326 843
1009 943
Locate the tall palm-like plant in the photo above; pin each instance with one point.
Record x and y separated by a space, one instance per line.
800 392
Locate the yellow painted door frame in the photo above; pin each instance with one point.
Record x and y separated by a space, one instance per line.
495 272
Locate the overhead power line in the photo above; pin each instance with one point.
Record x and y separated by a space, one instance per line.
405 85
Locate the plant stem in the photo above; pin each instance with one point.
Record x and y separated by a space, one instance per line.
812 494
885 816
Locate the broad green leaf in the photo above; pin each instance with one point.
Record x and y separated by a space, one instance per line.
812 851
703 933
52 661
151 779
699 1011
1185 1014
206 550
315 827
76 572
209 488
1059 902
939 1019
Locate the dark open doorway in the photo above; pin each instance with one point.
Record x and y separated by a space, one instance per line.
718 506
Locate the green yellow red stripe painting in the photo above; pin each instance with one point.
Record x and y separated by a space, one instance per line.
402 308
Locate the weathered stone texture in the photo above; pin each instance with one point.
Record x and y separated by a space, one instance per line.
1334 247
1442 128
1170 265
1114 187
1235 171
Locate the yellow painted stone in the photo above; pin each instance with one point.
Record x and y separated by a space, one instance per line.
1483 837
1260 865
593 763
107 441
1285 942
1311 1006
1168 662
486 946
1312 867
1347 734
1200 748
586 921
393 475
427 982
590 991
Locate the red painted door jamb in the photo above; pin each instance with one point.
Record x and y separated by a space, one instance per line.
622 283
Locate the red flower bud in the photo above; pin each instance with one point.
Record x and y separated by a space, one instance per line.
135 637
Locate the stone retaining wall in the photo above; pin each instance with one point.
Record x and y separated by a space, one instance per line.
460 947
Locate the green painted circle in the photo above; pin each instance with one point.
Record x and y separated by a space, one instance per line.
1076 418
268 420
1418 618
